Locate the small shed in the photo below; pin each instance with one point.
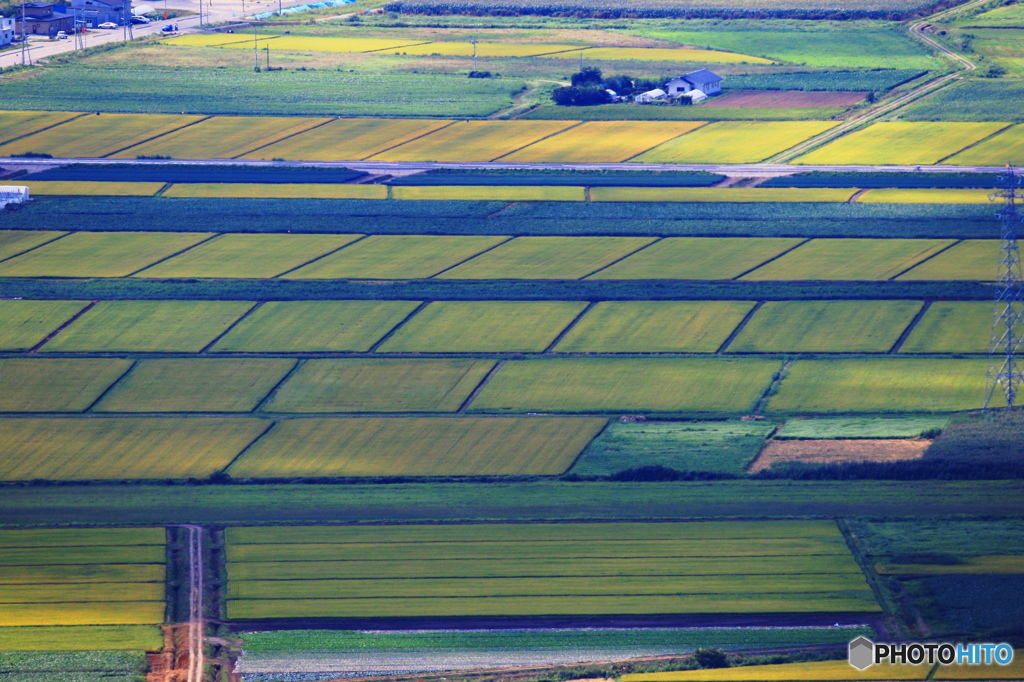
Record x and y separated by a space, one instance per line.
650 96
696 96
13 194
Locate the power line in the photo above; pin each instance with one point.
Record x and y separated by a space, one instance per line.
1008 320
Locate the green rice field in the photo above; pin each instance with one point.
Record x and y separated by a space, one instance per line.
952 327
829 428
25 324
547 258
56 384
697 258
971 259
849 259
13 242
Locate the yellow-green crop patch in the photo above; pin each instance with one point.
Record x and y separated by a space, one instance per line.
1012 671
221 137
622 384
661 54
882 385
73 592
488 193
13 242
483 327
196 385
547 258
98 556
459 49
473 141
697 258
148 326
602 142
56 384
735 142
259 190
24 324
347 139
249 255
327 326
410 446
81 537
81 638
737 195
92 188
925 196
397 257
380 385
15 124
791 672
76 449
99 254
971 259
209 40
97 136
901 143
326 44
825 327
82 613
849 259
654 326
1006 147
84 573
952 327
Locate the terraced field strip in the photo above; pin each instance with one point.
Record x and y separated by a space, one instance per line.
682 54
601 142
883 385
98 135
78 449
1006 147
790 672
698 258
15 124
654 327
473 141
487 193
484 327
925 196
125 585
547 258
24 324
148 326
849 259
825 327
260 190
221 137
740 195
952 327
734 142
81 638
397 257
901 143
196 385
347 139
92 188
971 259
249 255
542 569
56 384
626 384
413 446
13 242
99 254
328 326
380 385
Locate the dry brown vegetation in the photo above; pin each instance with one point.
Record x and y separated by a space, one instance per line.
838 451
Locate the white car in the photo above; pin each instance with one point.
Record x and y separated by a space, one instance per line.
107 24
141 20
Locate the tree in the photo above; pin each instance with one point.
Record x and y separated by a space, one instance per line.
622 85
580 96
587 76
711 658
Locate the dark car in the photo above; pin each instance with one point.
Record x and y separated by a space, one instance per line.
168 28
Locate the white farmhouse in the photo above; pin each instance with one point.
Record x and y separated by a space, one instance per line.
6 31
650 96
708 82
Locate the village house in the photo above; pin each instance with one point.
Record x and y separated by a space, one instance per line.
707 82
6 31
96 12
44 18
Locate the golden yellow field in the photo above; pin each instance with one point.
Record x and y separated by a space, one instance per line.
454 49
901 142
222 137
602 142
83 613
488 193
17 123
324 44
742 195
818 670
1006 147
258 190
660 54
92 188
735 142
95 136
474 141
348 139
925 196
210 39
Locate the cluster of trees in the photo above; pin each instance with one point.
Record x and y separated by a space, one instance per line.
589 86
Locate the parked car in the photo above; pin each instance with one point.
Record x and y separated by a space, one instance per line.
141 20
107 24
61 35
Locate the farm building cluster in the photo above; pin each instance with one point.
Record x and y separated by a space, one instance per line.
695 86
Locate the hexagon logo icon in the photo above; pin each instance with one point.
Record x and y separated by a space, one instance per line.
862 653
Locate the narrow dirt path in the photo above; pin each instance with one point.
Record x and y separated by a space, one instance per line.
196 621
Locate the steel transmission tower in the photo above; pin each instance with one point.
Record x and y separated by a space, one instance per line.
1005 368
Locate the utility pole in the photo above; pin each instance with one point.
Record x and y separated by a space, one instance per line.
473 41
256 47
26 58
1005 373
267 48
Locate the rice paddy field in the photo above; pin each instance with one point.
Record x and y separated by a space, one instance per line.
347 139
1005 147
93 136
734 142
242 190
56 385
971 259
906 143
497 570
25 324
952 327
850 259
547 258
15 124
602 142
473 141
